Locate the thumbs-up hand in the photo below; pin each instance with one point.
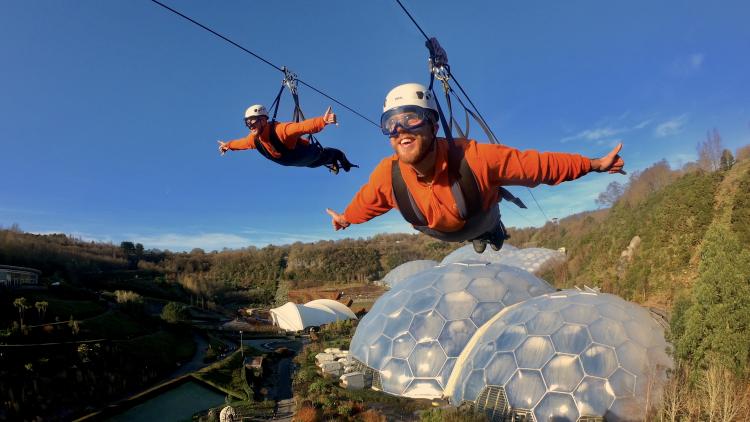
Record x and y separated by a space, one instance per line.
330 117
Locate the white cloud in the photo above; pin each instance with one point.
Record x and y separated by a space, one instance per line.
671 127
594 134
606 129
186 242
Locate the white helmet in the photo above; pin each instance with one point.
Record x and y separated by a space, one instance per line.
255 111
411 94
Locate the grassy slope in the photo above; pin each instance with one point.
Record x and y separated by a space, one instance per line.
671 223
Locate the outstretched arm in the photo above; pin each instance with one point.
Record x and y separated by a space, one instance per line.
373 199
509 166
314 125
247 142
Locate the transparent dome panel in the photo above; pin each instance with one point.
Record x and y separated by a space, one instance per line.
534 352
455 336
622 383
485 311
544 323
398 324
395 376
556 407
453 281
487 289
397 301
563 373
525 389
427 359
424 388
510 338
571 339
427 326
607 331
423 300
633 358
403 345
599 361
593 396
500 368
456 305
579 314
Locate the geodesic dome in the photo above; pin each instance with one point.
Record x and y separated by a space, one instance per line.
563 356
406 270
413 334
466 253
532 259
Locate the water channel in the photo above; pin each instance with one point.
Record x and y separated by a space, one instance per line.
178 404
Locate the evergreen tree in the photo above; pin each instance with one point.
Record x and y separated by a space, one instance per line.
716 326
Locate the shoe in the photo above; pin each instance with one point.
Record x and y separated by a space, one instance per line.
334 168
346 165
479 245
496 241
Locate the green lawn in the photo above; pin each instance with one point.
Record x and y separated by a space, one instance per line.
162 347
113 325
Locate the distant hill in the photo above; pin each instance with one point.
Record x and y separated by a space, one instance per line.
669 211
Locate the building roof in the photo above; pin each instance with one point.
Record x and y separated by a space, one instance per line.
295 317
15 268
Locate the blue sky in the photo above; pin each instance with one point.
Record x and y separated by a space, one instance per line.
110 111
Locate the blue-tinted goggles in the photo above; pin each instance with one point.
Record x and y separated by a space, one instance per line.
406 117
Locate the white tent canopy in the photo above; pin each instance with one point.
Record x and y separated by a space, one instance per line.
294 317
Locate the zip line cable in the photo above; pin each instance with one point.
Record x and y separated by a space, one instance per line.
261 59
467 97
537 204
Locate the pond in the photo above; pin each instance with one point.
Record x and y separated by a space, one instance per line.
178 404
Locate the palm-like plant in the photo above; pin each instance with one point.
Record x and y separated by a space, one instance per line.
20 303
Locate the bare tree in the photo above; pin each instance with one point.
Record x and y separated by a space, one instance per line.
613 192
709 151
674 402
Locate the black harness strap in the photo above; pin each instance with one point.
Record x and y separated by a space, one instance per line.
301 156
464 188
404 200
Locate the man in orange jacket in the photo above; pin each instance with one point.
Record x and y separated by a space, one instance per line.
283 142
437 175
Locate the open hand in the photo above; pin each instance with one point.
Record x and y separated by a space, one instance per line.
329 117
337 220
223 147
611 162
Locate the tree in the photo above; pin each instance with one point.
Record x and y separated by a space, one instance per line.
175 312
709 151
716 325
608 198
41 307
20 303
727 160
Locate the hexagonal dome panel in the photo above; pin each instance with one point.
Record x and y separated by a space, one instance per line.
566 355
427 320
406 270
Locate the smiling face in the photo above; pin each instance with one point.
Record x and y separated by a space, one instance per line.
414 145
256 124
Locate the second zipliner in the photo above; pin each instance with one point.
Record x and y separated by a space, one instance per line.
282 142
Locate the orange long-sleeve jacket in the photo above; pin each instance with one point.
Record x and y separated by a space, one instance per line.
289 134
492 165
